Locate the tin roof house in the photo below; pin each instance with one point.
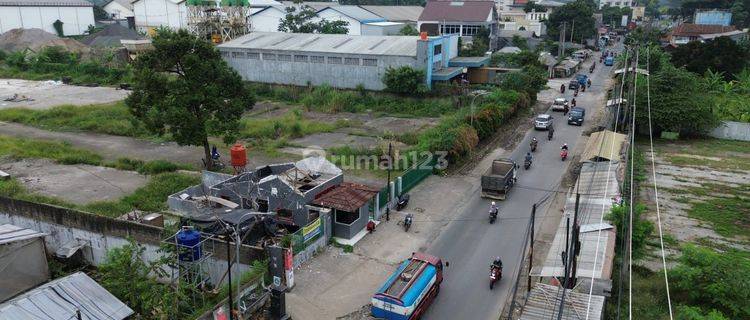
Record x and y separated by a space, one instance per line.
464 18
350 205
23 260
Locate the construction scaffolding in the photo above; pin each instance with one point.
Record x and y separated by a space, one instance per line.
218 20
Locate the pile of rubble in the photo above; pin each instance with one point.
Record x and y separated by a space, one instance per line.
35 39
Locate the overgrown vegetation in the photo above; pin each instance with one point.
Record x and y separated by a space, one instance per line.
114 119
325 98
289 125
129 277
405 80
56 63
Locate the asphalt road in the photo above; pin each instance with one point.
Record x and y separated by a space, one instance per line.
470 243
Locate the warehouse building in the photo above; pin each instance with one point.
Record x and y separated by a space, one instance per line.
342 61
76 15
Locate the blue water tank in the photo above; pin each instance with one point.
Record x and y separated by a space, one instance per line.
188 240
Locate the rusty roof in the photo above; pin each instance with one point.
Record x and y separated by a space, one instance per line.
472 11
346 196
694 30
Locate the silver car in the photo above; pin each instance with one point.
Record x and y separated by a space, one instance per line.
559 104
543 122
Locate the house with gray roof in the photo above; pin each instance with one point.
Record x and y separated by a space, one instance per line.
402 14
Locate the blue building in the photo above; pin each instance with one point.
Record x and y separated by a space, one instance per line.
713 16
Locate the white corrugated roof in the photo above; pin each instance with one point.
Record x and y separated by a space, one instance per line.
59 299
326 43
544 303
10 233
46 3
396 13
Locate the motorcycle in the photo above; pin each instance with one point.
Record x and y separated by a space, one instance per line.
495 275
563 155
403 200
562 89
575 94
493 216
549 135
526 164
533 145
407 222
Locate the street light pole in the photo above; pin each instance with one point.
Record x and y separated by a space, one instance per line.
229 271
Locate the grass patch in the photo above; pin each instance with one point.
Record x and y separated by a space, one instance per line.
149 167
55 63
729 216
62 152
289 125
11 188
735 155
113 118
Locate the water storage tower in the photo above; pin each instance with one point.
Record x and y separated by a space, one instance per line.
238 155
190 258
218 20
235 19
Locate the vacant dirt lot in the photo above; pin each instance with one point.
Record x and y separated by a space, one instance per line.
704 187
78 184
48 94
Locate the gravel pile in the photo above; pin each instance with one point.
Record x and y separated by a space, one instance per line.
36 39
110 36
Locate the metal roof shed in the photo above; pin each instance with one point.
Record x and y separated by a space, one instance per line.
61 298
603 146
544 303
23 260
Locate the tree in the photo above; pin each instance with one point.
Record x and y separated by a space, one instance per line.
519 42
408 30
696 313
613 15
532 6
405 80
579 16
721 55
713 281
333 27
184 89
299 22
676 104
480 44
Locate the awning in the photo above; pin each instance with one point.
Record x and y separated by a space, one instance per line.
446 74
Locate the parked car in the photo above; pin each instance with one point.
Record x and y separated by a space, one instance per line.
576 115
559 104
543 122
573 84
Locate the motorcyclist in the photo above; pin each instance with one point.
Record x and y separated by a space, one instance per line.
497 263
493 208
550 132
564 147
562 88
588 82
533 143
528 157
573 102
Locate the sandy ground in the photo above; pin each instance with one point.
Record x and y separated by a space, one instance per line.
48 94
671 180
78 184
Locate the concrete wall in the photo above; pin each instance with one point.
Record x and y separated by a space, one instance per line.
76 20
347 231
302 73
101 234
150 14
731 130
318 244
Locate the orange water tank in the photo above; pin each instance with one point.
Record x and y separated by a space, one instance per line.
238 155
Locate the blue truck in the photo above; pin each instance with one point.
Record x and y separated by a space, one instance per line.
609 61
410 289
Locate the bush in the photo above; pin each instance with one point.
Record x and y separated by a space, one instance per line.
405 80
642 228
157 167
55 63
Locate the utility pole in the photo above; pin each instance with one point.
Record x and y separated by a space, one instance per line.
388 203
531 254
229 271
561 46
572 28
576 247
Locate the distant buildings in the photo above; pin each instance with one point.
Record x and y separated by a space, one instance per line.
463 18
514 18
688 32
76 15
151 14
119 9
342 61
714 17
617 3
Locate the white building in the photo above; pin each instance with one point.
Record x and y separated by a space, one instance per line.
354 15
617 3
76 15
151 14
267 19
119 9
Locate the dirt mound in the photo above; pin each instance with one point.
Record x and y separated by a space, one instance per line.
110 36
36 39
